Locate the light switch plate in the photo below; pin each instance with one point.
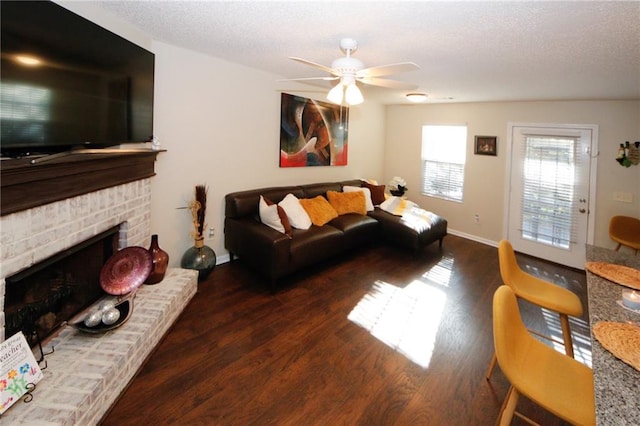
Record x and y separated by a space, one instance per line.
625 197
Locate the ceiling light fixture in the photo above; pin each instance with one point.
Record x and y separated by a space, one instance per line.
416 97
346 90
335 94
353 95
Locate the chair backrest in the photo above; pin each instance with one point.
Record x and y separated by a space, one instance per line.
625 227
509 269
509 332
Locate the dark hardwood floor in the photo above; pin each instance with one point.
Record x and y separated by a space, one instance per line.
239 355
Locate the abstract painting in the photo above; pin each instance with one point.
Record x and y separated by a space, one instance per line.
312 133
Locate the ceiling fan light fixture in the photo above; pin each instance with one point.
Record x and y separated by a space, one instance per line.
416 97
350 70
348 92
335 94
353 95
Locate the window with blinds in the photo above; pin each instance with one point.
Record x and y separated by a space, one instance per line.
443 160
548 189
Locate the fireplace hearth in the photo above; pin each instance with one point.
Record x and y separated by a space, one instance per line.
87 372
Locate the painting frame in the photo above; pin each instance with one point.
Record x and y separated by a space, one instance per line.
486 145
312 132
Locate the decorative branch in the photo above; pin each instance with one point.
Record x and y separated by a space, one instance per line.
198 208
194 206
201 200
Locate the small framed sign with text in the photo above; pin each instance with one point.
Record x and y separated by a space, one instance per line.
18 370
486 145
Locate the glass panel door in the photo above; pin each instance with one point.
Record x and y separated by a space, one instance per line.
549 192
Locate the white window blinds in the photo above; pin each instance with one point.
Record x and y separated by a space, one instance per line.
443 160
548 187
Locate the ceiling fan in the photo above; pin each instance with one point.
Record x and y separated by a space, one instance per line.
350 70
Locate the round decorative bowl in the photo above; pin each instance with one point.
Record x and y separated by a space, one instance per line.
124 307
126 270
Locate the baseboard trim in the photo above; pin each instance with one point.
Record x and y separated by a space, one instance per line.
473 237
223 258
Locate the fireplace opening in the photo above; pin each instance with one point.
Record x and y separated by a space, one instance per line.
41 298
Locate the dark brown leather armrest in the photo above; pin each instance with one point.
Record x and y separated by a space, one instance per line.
258 245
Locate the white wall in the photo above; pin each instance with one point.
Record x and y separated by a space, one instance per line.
220 125
618 121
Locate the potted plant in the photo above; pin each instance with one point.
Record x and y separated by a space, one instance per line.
397 186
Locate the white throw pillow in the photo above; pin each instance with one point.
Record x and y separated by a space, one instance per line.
367 195
269 215
298 217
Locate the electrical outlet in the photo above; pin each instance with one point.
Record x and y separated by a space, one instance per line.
211 232
476 218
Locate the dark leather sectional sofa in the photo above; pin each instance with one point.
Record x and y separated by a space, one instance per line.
274 255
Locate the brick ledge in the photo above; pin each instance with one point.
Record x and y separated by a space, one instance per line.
86 373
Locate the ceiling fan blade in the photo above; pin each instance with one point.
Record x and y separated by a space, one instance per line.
313 64
383 70
390 84
309 78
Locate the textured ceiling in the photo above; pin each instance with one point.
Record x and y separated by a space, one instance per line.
468 51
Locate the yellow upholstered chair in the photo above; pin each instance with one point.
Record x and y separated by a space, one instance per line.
539 292
557 383
625 231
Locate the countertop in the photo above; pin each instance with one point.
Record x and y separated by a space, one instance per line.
616 384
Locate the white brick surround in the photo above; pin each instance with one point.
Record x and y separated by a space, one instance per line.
86 373
29 236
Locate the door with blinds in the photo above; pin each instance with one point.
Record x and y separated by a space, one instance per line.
550 191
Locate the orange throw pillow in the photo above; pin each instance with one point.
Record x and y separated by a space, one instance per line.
319 210
347 202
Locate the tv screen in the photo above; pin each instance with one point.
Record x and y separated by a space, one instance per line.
66 82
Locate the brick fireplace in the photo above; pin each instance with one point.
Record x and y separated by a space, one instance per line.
86 373
33 235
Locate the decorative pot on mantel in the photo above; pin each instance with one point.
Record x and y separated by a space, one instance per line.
200 257
160 262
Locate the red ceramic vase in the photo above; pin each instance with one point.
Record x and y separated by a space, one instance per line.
160 262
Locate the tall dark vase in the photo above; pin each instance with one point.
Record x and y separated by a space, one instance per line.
200 257
160 262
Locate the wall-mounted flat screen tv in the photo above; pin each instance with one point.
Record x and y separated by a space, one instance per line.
66 82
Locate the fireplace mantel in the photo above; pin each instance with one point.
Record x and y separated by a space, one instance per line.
24 185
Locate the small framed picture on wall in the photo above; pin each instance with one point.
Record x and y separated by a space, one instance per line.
486 145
